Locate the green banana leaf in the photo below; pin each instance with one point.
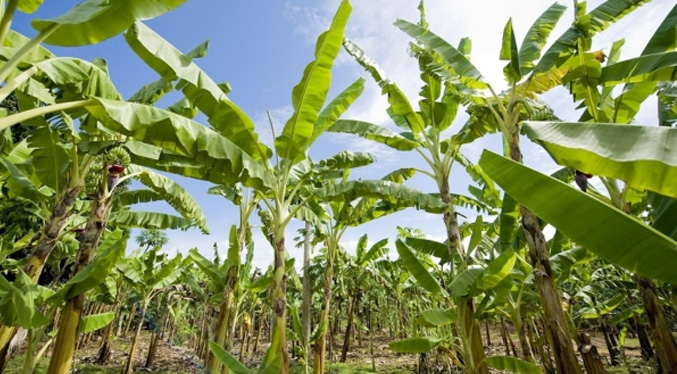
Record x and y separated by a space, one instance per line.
309 95
400 108
497 270
13 43
388 191
415 345
464 283
228 360
109 252
78 76
512 365
94 322
331 113
639 155
417 269
509 52
598 20
49 158
148 220
216 275
593 224
28 6
537 36
226 117
452 57
347 160
655 67
173 194
437 317
18 184
373 132
213 153
430 247
665 37
18 302
93 21
138 196
664 213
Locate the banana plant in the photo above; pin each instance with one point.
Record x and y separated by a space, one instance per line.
641 77
151 274
423 133
529 72
491 282
357 271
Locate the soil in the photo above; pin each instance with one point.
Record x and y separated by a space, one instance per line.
172 359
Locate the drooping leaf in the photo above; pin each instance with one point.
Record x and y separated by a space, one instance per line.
207 151
309 95
463 283
93 21
209 268
373 132
347 160
430 247
228 360
589 222
638 155
416 268
49 158
415 345
400 107
226 117
664 213
148 220
497 270
18 302
453 59
173 194
512 365
655 67
437 317
94 322
385 190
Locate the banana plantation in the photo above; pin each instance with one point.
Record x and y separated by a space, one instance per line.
570 270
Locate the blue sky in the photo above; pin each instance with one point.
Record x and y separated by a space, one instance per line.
261 48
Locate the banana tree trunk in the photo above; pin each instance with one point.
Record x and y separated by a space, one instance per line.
64 346
320 347
50 232
104 349
521 328
222 329
353 299
591 359
45 242
130 318
469 325
307 292
155 340
555 322
614 351
129 367
659 328
277 354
